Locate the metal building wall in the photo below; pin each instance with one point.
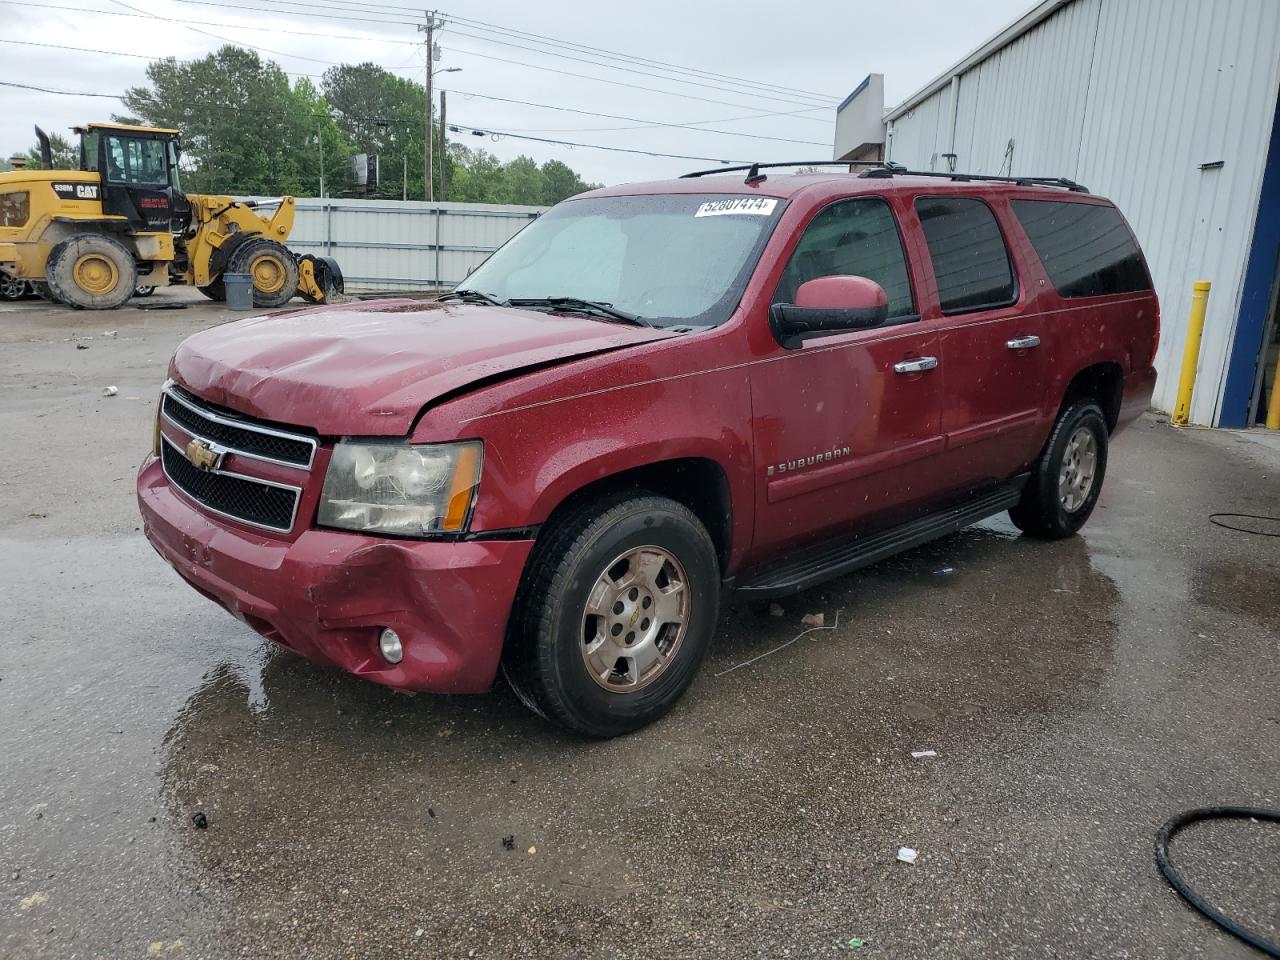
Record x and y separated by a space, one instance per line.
405 245
1129 97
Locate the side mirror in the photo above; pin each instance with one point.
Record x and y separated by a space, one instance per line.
829 305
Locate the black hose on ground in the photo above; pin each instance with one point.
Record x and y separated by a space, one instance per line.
1167 833
1223 520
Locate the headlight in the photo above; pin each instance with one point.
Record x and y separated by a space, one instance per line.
400 489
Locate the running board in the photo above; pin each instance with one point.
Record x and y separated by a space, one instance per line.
813 565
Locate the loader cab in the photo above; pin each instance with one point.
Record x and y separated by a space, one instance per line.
138 167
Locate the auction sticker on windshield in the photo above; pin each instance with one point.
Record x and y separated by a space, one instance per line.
753 206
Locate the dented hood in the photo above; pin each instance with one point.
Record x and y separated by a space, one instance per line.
369 368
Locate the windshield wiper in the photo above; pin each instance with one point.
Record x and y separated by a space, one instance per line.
585 306
474 296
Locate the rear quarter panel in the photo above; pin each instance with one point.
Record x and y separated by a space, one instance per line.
1079 332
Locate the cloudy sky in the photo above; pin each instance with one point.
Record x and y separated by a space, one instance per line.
764 78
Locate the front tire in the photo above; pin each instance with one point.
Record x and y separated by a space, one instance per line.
271 266
215 291
614 615
1067 479
91 271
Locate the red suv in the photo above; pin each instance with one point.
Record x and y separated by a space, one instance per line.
654 396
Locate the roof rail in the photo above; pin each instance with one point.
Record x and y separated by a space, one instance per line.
753 170
893 169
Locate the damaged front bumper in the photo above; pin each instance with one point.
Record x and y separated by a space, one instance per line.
328 594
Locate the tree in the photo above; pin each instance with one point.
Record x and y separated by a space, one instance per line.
66 155
246 130
380 114
559 182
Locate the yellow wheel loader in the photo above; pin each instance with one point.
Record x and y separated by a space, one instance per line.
91 237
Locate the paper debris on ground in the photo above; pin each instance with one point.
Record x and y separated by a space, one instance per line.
814 619
924 753
110 391
37 899
907 855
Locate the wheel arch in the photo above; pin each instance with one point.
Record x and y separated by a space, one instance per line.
1102 381
698 482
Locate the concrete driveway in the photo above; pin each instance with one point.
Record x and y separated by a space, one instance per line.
1077 694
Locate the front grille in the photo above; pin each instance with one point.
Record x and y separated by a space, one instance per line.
240 498
237 434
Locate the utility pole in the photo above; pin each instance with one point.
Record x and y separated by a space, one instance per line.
428 126
404 181
444 148
320 140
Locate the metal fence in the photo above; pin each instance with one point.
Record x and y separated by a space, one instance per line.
405 245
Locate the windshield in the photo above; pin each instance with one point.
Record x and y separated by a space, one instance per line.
136 161
673 259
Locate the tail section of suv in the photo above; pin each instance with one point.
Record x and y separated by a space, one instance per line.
651 396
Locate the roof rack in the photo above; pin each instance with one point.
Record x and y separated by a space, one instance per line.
887 168
894 169
754 175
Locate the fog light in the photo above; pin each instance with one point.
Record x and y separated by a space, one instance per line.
389 644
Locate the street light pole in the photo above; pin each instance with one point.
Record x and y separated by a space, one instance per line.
444 150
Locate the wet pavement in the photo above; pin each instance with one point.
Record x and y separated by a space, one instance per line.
1077 694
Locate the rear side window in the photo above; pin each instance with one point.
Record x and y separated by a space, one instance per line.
970 260
856 238
1086 249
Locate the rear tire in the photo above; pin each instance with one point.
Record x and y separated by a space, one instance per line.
91 271
1067 479
143 291
614 614
272 267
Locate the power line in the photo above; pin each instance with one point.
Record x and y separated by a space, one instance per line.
646 123
347 4
761 94
311 6
215 3
485 132
454 127
210 23
392 10
600 51
206 33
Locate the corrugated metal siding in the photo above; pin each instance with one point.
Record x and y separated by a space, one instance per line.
415 244
1129 97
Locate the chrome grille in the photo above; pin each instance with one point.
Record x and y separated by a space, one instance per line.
238 434
251 500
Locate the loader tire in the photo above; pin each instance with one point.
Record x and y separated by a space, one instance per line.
91 271
272 267
215 291
41 290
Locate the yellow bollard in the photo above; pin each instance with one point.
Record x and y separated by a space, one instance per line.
1191 353
1273 410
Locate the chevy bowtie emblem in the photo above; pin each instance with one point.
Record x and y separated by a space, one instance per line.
203 456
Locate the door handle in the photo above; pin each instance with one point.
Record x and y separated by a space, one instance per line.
1023 343
917 365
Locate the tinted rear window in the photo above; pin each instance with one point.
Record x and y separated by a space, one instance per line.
1086 249
970 260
